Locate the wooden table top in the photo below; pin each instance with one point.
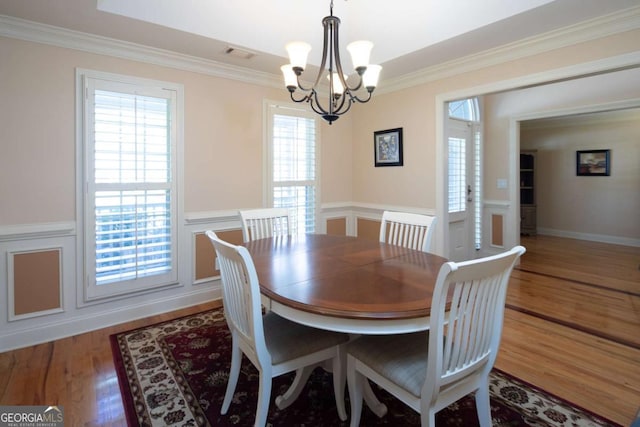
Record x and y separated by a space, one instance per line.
345 277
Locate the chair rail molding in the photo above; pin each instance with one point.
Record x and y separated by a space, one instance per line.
37 231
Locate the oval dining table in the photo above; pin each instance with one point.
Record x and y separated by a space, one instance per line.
346 284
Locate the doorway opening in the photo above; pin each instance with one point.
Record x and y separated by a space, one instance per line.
464 178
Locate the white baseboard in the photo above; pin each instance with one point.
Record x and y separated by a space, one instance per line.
92 321
615 240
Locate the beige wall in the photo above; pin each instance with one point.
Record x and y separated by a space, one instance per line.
223 128
501 108
606 206
223 160
414 110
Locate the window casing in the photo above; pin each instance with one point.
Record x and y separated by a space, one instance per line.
293 165
130 197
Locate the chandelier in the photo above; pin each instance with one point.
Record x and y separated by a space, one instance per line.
341 95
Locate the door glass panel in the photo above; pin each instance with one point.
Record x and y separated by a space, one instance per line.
457 175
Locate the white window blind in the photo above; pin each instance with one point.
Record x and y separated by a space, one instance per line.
457 174
477 145
131 194
294 168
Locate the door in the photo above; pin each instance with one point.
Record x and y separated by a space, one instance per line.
461 187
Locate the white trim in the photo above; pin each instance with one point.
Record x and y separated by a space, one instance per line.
12 316
583 109
363 207
44 332
625 20
61 37
514 129
490 208
207 217
618 22
615 240
499 204
512 235
88 292
270 109
37 231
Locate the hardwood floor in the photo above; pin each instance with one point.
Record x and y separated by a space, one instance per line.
572 324
572 327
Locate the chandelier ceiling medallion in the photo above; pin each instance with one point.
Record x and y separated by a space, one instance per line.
341 95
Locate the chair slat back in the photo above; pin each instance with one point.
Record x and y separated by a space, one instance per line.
240 295
409 230
473 325
263 223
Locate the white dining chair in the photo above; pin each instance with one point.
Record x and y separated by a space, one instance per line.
272 343
263 223
430 370
406 229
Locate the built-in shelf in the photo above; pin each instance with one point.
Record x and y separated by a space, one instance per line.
527 193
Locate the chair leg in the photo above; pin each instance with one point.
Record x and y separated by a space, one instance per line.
339 380
354 382
372 401
264 395
234 373
292 393
483 406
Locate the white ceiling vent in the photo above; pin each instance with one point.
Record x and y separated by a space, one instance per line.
237 52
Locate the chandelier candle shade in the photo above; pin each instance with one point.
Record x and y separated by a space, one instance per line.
341 95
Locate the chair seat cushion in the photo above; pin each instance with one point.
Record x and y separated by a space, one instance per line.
402 358
287 340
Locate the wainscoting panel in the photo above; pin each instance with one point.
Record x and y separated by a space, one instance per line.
495 223
497 231
368 229
34 283
43 287
337 226
205 254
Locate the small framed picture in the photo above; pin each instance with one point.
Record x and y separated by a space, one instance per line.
592 163
387 147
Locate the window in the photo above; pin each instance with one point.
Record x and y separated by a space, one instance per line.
477 146
130 179
293 165
465 109
457 174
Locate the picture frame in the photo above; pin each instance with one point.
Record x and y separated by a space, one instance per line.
593 163
387 147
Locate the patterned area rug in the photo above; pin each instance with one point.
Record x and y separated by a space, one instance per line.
175 374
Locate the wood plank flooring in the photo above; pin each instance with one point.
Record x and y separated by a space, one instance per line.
572 327
572 324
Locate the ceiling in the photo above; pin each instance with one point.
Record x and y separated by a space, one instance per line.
409 35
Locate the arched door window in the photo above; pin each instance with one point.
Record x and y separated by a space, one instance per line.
465 109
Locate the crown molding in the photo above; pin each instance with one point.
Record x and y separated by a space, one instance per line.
607 25
615 23
598 118
61 37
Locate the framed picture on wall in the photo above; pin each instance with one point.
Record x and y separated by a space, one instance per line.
387 147
593 163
